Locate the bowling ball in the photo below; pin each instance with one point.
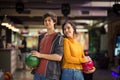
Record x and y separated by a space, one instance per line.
88 65
7 76
31 61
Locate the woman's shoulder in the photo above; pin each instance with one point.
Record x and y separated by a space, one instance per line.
69 39
65 39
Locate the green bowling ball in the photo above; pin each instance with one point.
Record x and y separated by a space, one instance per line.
31 61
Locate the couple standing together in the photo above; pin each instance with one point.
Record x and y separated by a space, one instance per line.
56 52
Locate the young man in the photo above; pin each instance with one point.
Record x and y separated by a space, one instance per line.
23 49
50 51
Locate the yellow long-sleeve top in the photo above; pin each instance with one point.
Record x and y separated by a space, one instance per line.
73 54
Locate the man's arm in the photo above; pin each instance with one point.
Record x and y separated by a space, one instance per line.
54 57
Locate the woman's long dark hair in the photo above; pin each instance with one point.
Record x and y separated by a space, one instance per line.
72 25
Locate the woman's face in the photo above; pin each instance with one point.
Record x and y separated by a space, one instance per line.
68 30
49 23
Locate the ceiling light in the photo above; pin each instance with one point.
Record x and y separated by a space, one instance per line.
5 21
19 7
65 9
10 25
82 30
80 26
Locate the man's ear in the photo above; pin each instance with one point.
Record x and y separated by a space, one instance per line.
54 22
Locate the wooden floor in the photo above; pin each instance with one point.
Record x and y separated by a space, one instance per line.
21 74
25 74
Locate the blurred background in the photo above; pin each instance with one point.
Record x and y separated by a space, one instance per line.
97 21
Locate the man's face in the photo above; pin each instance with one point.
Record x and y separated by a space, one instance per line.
49 23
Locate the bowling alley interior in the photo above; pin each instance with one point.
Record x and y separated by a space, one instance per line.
98 30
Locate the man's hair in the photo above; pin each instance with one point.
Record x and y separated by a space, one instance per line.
52 15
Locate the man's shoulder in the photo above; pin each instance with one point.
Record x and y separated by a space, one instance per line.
41 35
59 34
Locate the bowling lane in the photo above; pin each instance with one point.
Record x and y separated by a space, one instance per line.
21 74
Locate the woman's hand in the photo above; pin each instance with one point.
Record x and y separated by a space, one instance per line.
88 59
90 71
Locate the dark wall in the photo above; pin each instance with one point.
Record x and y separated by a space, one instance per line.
8 33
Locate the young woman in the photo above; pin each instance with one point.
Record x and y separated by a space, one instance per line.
73 54
50 51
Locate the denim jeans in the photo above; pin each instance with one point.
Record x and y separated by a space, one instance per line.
38 76
72 74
